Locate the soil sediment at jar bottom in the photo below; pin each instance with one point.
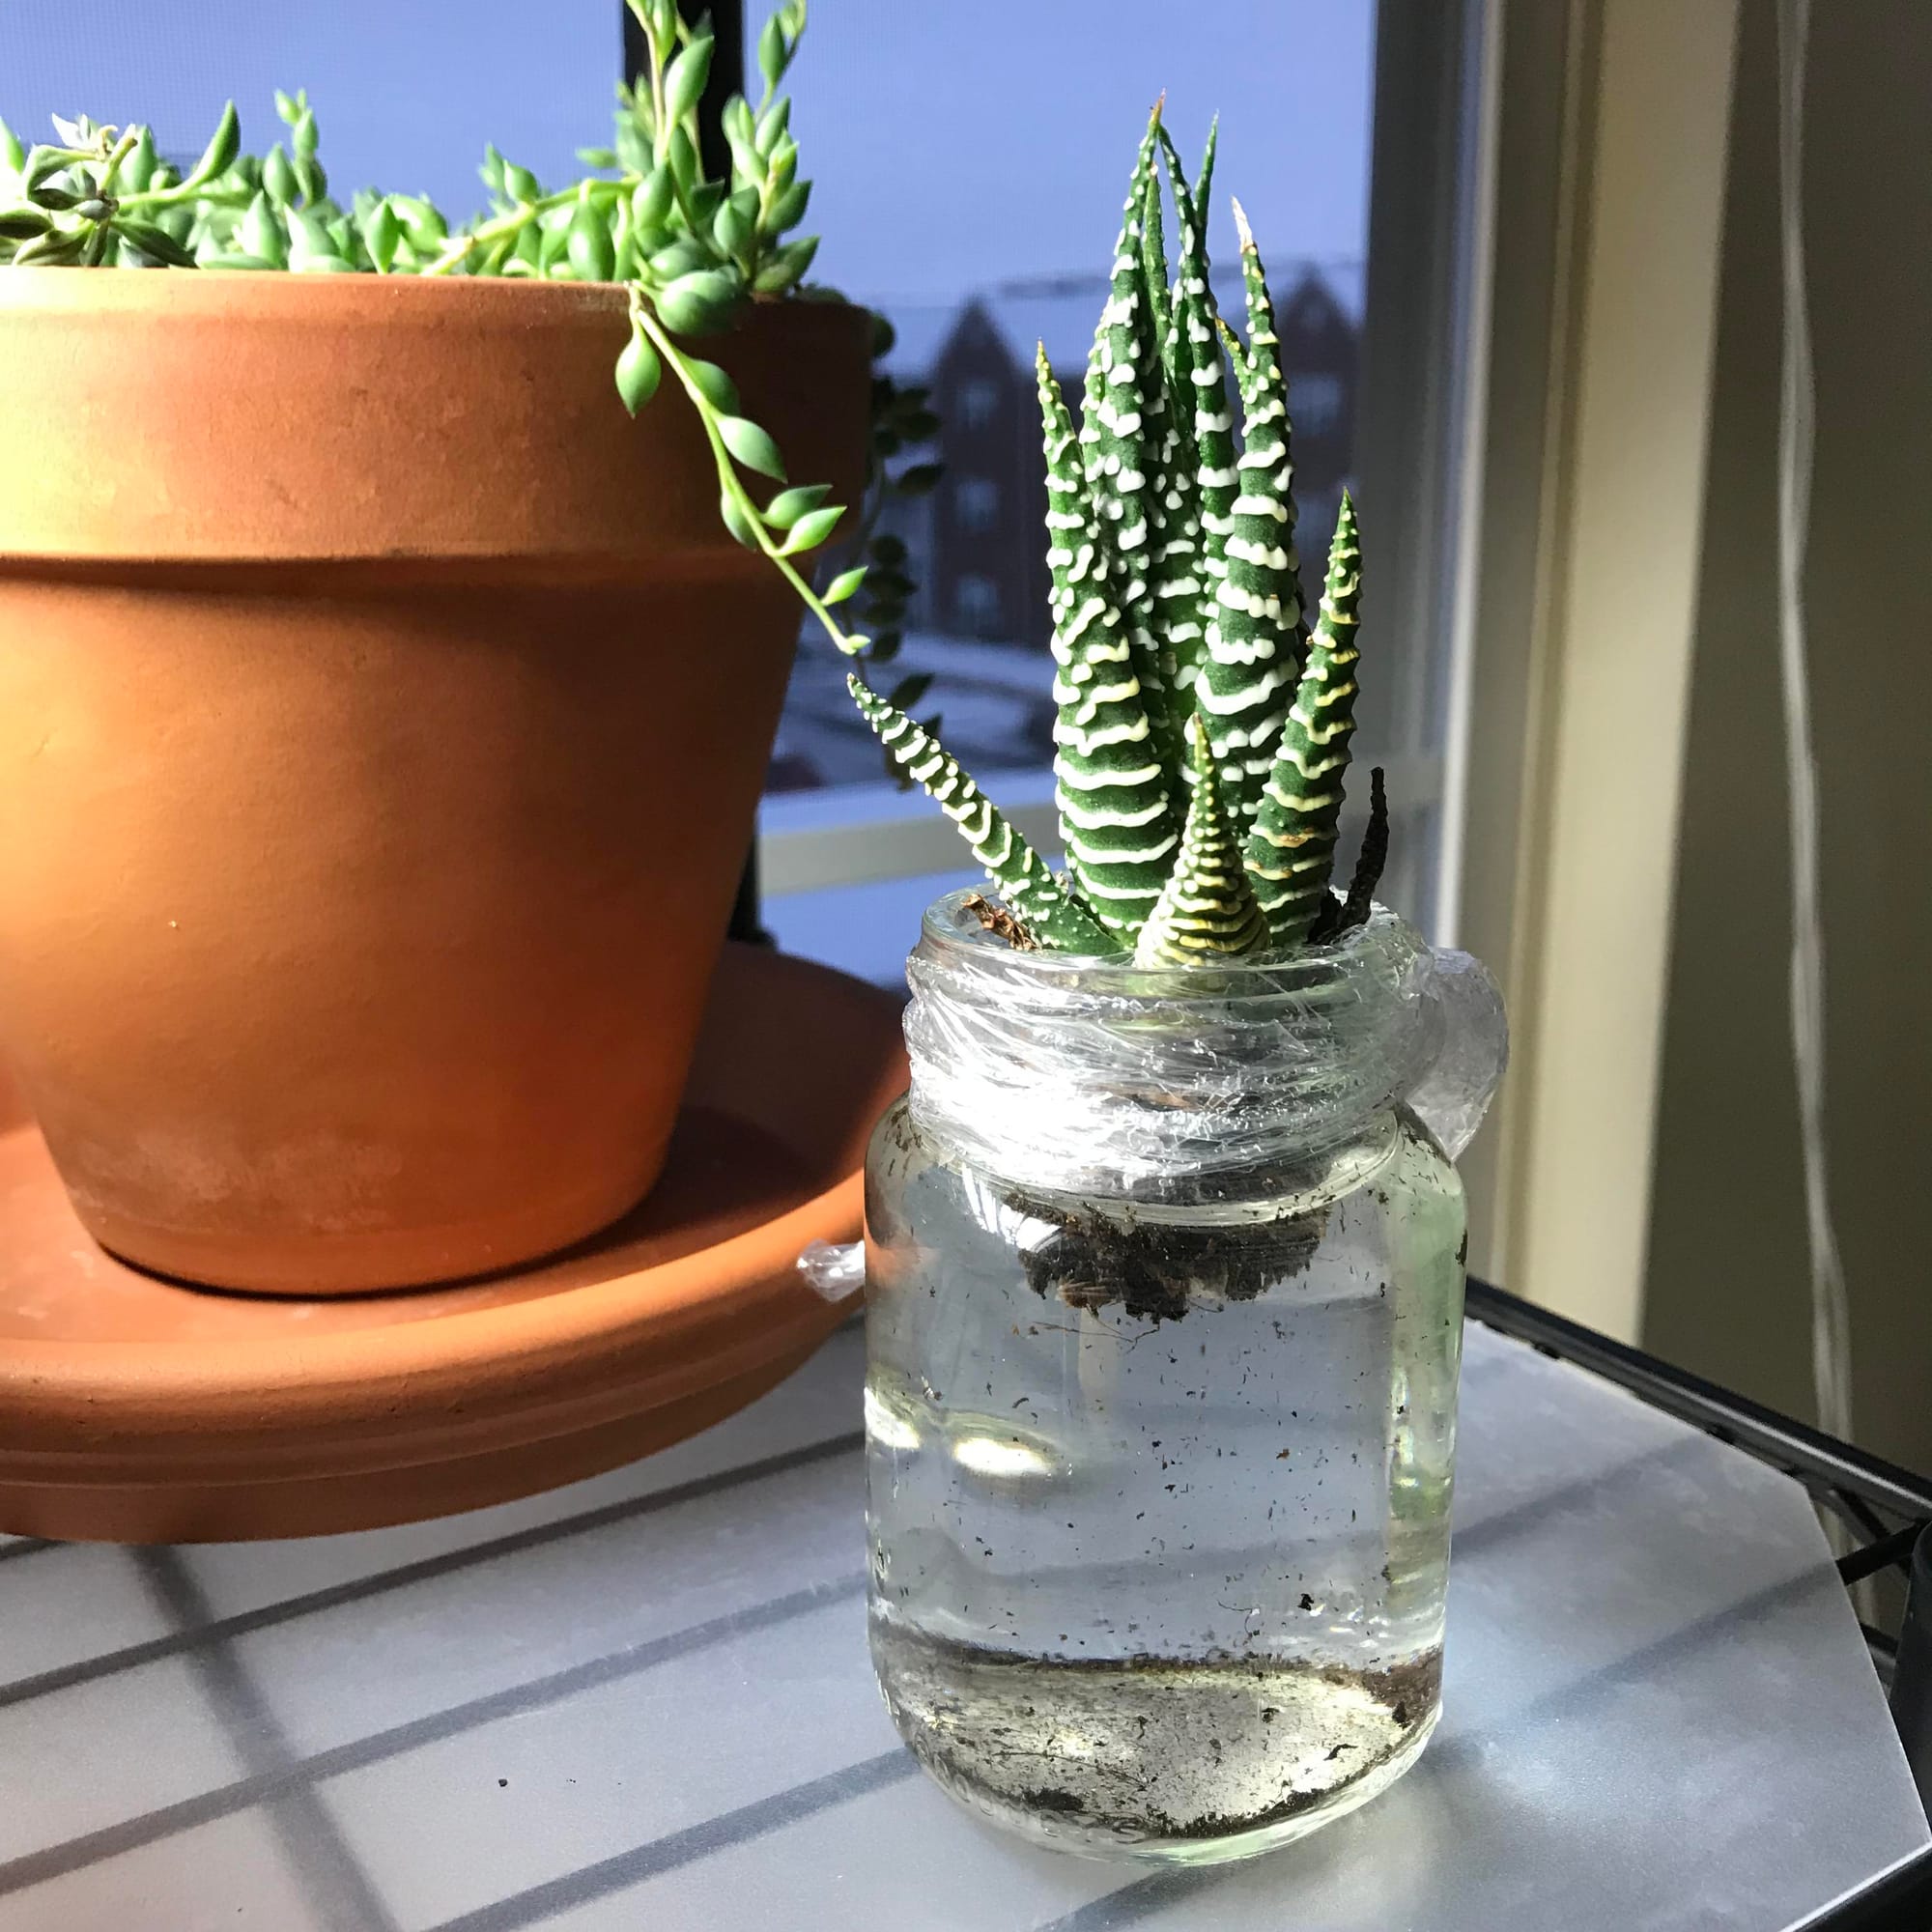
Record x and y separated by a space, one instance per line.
1145 1749
1158 1269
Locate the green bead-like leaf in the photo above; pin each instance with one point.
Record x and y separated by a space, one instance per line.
847 583
652 200
262 235
592 253
787 267
683 257
311 244
382 236
422 222
154 241
776 120
773 53
812 528
638 373
22 224
732 229
685 78
790 506
223 145
12 156
697 304
788 208
713 384
752 446
520 184
278 178
683 160
138 165
736 521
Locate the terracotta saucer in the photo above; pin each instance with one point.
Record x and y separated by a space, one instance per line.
135 1409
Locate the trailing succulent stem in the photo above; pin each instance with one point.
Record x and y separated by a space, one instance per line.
1201 730
692 249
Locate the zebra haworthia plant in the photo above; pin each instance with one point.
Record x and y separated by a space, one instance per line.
1202 725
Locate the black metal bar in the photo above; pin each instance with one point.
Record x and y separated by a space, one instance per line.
1888 1550
1912 1674
1820 1461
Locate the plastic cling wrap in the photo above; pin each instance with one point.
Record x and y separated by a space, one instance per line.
1089 1076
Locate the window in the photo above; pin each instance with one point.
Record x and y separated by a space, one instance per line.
978 403
977 500
975 605
1316 403
977 265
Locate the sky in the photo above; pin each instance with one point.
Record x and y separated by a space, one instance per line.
955 144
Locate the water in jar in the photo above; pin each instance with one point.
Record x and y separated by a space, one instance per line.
1159 1495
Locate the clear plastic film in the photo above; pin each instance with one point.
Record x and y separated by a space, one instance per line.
1099 1076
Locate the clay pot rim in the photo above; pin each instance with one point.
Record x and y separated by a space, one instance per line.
270 291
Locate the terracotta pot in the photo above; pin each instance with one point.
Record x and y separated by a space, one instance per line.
383 715
138 1410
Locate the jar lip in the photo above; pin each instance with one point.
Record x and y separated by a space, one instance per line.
955 942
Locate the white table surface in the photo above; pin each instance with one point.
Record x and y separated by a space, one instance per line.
644 1702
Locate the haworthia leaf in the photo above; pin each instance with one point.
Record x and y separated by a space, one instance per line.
752 446
1291 850
1120 447
1055 916
1110 779
1176 570
1211 420
1254 632
1207 909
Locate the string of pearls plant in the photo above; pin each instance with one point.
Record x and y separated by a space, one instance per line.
691 249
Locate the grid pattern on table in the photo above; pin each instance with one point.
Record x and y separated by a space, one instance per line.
643 1700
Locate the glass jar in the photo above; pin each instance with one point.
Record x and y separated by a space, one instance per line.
1165 1296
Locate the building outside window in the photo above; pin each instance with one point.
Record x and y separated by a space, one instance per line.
979 404
977 500
976 605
